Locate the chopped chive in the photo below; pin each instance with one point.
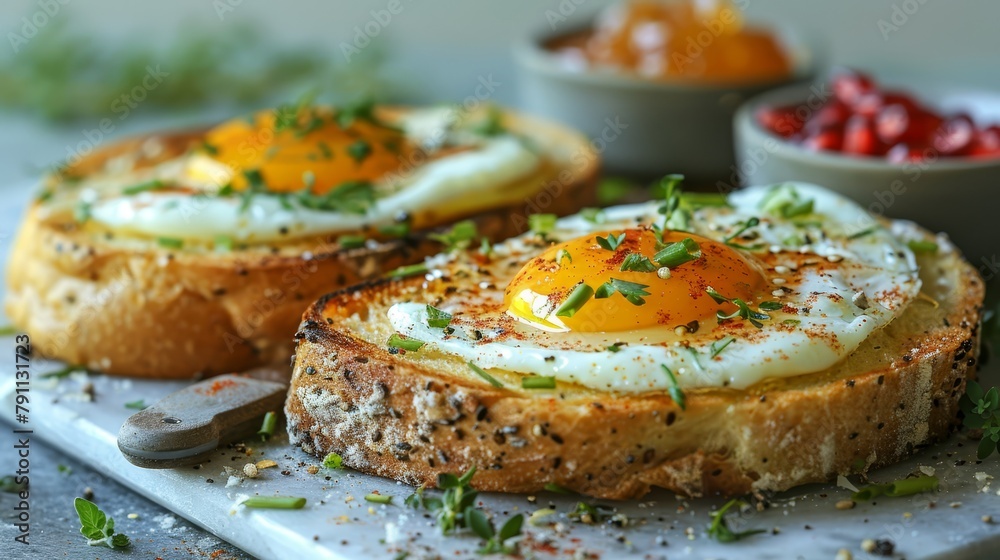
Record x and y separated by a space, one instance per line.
923 246
170 242
580 295
143 187
542 224
275 502
770 305
678 253
635 262
719 345
267 426
553 487
863 233
701 200
459 236
538 382
616 347
611 242
436 318
910 486
482 373
563 254
675 391
8 330
395 230
378 498
63 373
752 222
904 487
225 190
359 151
694 358
410 270
81 212
224 243
333 461
791 322
137 405
404 343
351 241
211 149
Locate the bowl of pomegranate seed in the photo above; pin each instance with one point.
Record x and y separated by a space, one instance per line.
929 153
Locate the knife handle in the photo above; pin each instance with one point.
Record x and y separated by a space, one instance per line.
185 428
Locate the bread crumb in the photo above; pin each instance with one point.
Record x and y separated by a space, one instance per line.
868 545
845 504
844 554
266 464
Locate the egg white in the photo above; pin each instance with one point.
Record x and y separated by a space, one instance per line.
874 262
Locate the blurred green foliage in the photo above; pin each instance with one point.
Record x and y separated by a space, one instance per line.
64 74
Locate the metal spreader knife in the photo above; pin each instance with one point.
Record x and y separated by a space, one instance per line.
186 427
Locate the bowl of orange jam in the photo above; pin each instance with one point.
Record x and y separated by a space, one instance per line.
655 84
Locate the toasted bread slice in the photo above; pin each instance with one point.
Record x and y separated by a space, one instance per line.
126 305
411 420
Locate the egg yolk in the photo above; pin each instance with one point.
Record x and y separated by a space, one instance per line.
313 150
544 283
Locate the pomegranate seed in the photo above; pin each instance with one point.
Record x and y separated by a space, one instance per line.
834 113
987 142
955 136
892 121
830 139
892 97
868 104
779 120
849 85
901 153
859 136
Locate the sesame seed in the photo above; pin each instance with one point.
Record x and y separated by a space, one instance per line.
844 554
835 258
778 281
775 248
778 293
845 504
781 269
663 273
680 331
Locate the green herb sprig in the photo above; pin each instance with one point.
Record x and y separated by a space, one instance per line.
743 309
632 291
982 412
674 389
458 237
719 528
98 528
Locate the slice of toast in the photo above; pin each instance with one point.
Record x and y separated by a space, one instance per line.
125 305
412 419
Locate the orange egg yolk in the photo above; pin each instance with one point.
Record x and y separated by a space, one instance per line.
314 150
672 301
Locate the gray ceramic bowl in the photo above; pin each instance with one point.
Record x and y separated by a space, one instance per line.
641 127
960 196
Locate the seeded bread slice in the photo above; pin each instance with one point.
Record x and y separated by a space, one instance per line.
128 306
408 420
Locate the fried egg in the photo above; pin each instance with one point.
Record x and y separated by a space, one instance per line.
305 171
772 282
